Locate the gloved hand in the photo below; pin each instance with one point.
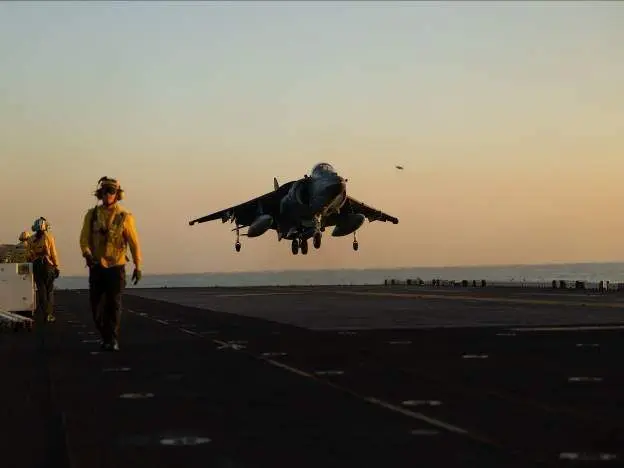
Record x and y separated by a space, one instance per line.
136 276
89 259
56 273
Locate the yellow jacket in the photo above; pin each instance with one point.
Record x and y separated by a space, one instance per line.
42 247
107 235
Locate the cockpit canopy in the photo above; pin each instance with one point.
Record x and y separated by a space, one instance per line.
322 169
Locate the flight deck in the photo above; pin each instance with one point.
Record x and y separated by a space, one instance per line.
322 376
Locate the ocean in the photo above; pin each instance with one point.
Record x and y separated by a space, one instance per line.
590 272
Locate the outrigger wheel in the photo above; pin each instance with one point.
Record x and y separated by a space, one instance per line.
355 242
237 245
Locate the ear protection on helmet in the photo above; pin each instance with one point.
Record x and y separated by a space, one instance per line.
108 181
40 224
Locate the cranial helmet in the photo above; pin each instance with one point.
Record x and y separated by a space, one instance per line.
24 236
105 184
40 224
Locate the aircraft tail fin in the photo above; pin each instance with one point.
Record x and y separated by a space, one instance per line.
275 184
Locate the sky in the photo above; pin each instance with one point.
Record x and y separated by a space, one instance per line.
507 117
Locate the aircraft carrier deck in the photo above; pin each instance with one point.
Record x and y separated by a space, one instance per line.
321 377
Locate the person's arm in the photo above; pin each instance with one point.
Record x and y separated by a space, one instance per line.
30 256
52 250
131 235
85 234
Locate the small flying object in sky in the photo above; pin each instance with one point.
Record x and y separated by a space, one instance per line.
399 167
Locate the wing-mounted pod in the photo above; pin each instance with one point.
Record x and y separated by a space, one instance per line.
348 224
260 225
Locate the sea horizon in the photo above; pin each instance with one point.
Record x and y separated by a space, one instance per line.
581 271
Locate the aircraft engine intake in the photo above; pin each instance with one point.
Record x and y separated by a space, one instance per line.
348 225
302 192
260 225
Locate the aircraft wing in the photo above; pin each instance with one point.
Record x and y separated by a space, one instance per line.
245 213
372 214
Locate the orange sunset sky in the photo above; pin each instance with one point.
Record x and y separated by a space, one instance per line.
508 118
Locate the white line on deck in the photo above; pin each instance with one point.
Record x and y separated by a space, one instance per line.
257 294
372 400
580 328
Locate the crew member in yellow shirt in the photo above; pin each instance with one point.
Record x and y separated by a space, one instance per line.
41 251
108 230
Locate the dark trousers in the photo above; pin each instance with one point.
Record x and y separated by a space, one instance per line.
43 275
105 288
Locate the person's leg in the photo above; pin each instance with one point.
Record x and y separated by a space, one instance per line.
41 297
96 291
49 286
115 284
41 294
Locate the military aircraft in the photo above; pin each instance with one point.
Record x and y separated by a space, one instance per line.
301 209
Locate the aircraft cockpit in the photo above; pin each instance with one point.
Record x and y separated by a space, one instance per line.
322 169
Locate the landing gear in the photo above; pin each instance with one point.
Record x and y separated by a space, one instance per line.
318 229
299 244
355 242
237 245
316 240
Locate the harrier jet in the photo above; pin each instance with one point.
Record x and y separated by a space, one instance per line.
301 209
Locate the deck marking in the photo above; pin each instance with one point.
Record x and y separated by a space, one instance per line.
257 294
571 328
585 379
614 305
134 396
375 401
188 440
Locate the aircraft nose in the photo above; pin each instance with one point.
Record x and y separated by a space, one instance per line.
336 187
329 191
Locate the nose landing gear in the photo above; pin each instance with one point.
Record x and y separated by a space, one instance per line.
355 242
237 245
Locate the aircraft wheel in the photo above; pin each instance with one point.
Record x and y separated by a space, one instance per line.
355 245
316 240
237 246
304 246
295 247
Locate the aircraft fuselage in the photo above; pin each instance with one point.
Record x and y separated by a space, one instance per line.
308 201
